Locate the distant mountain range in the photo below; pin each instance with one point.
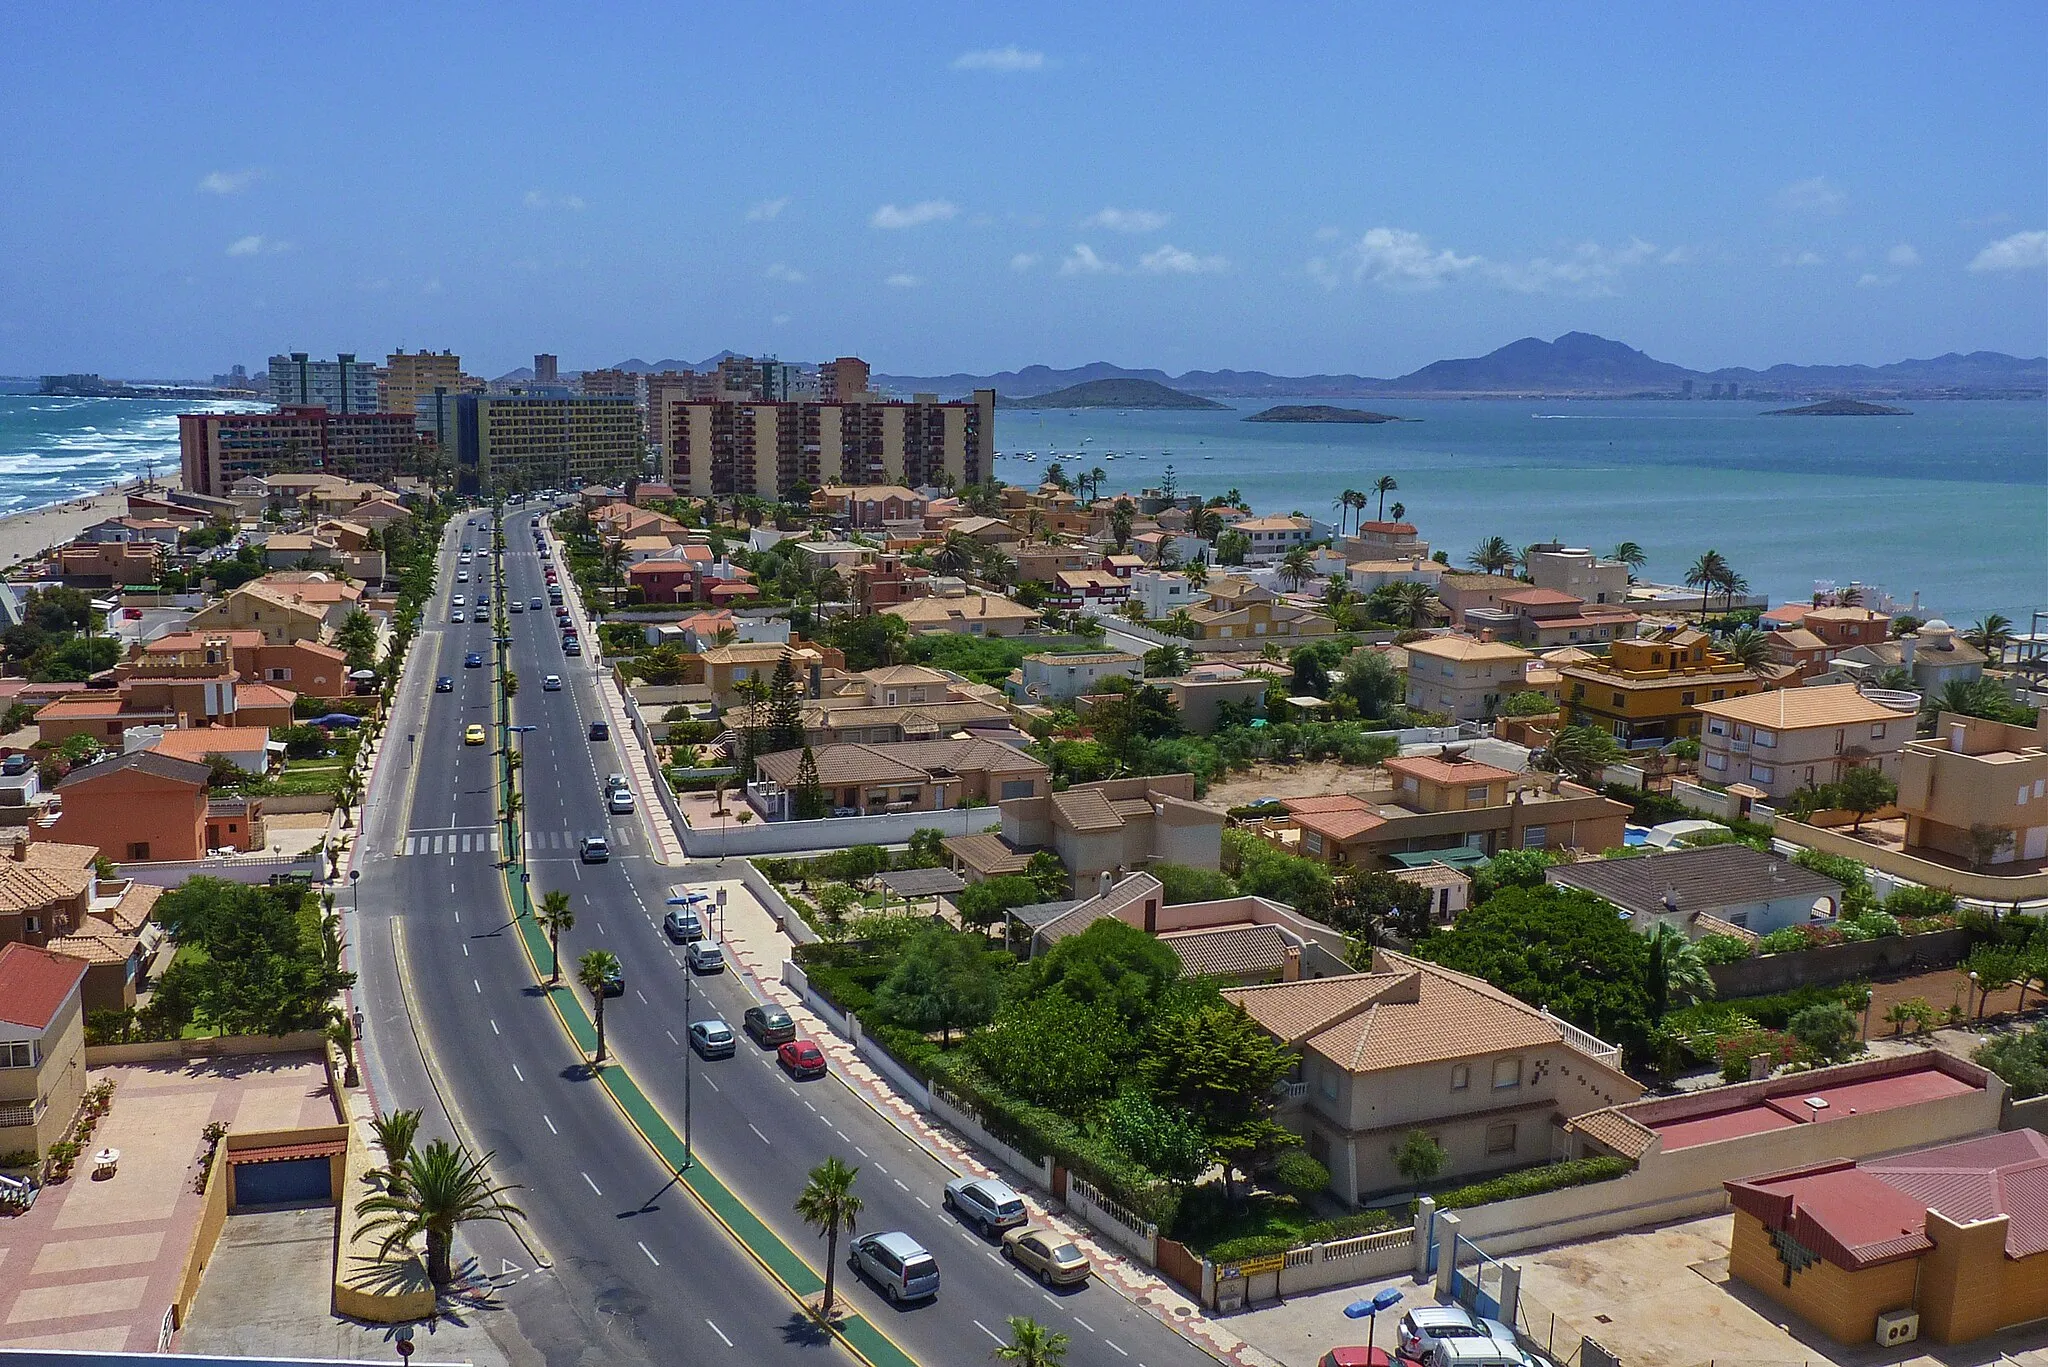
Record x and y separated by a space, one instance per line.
1120 393
1576 364
633 365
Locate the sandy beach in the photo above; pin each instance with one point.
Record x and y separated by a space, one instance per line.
32 533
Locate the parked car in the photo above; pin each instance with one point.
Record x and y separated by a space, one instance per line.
1047 1254
802 1058
897 1264
444 684
985 1202
1424 1327
594 850
620 802
600 730
1356 1357
15 765
769 1025
683 926
704 956
1485 1351
473 734
712 1039
571 646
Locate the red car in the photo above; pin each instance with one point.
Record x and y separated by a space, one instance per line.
1356 1357
802 1058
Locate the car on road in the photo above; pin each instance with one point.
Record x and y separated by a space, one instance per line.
551 683
768 1025
571 646
517 606
1424 1327
444 684
462 576
483 599
600 730
615 983
1047 1254
459 601
620 802
897 1264
683 925
533 522
712 1038
595 849
473 734
456 617
533 603
986 1203
473 661
704 956
802 1058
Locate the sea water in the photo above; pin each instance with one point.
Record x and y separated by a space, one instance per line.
52 449
1950 502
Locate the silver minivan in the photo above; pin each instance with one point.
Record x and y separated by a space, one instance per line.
897 1264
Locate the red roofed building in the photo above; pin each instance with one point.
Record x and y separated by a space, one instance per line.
42 1046
1957 1235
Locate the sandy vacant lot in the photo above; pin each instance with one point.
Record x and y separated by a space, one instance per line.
1283 780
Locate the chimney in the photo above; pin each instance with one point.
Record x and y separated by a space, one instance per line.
21 849
1907 644
1485 635
1290 964
1151 915
1103 883
1956 731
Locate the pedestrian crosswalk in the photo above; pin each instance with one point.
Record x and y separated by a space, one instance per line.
485 841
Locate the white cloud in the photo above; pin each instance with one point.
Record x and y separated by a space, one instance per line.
1818 195
1327 234
1872 280
433 285
1011 58
915 215
1083 261
1171 260
785 274
903 281
1128 220
2020 252
255 244
1903 255
536 199
766 209
228 182
1023 261
779 319
1802 259
1680 255
1397 257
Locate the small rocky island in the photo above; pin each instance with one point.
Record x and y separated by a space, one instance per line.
1841 408
1322 412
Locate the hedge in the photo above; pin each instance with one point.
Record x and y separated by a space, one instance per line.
1573 1172
1321 1232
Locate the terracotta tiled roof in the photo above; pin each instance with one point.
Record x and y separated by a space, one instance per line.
1294 1011
1789 709
987 854
1228 952
148 761
133 910
1085 809
34 984
1340 825
1613 1130
263 695
197 742
1441 771
27 888
1459 647
96 942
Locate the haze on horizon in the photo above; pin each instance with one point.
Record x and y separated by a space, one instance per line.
1362 189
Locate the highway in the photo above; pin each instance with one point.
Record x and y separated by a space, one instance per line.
670 1277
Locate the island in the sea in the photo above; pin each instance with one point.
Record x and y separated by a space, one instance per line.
1841 408
1322 412
1114 394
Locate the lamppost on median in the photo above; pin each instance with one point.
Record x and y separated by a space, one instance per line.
355 893
688 1157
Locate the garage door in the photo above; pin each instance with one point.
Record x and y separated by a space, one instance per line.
300 1181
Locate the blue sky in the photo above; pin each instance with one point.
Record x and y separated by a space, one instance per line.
1299 188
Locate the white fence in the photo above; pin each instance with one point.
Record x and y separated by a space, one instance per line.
955 1113
831 833
1113 1220
1705 801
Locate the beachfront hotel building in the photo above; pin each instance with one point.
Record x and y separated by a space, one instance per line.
218 450
525 441
411 376
715 448
342 385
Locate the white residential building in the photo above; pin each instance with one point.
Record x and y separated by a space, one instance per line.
1161 593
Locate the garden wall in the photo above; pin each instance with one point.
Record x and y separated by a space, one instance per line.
831 833
170 873
768 895
2031 1114
1983 887
1826 965
954 1113
214 1046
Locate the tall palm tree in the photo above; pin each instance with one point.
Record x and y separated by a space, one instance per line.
1492 555
1342 503
1747 646
998 568
1706 575
828 1204
1121 516
1399 510
395 1134
1415 604
1583 751
1732 584
1991 634
1675 969
596 970
957 553
1631 555
1384 485
1181 622
1032 1344
1297 567
443 1189
1095 478
1197 571
556 917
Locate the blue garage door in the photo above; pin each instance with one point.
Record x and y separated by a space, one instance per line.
304 1181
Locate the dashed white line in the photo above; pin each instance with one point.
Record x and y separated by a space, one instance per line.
516 1073
990 1332
841 1134
1112 1343
549 1123
495 1030
899 1182
758 1135
465 951
1084 1324
861 1151
712 1085
728 1342
652 1259
884 1171
474 983
921 1201
671 1037
641 995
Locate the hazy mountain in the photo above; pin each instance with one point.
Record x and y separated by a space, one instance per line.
1116 393
1578 363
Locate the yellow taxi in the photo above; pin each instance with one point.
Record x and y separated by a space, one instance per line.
473 734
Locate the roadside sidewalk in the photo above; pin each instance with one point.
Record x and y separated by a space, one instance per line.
757 949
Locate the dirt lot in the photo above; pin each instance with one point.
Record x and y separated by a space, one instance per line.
1942 987
1284 780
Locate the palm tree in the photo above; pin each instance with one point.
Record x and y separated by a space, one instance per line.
395 1135
1414 604
1344 503
1583 751
1297 567
998 568
1399 510
597 970
556 917
1181 622
1747 646
1384 485
1095 478
1197 572
1032 1344
1706 574
1232 498
1675 969
1991 634
1492 555
828 1204
1631 555
957 553
1730 585
442 1189
1121 516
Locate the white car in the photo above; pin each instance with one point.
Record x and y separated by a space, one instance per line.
620 802
458 616
986 1203
704 956
553 682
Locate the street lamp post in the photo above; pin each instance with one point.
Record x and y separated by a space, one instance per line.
688 1153
355 894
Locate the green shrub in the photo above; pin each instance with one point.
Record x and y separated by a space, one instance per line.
1722 949
2021 1059
1296 1172
1573 1172
1919 902
1785 940
1871 925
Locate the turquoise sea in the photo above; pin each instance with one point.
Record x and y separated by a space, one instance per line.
1950 503
52 449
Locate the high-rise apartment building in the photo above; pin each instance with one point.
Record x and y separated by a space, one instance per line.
609 384
217 449
722 447
342 385
409 376
535 442
544 370
843 381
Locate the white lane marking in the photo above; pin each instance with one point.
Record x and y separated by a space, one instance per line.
728 1342
475 984
465 951
1112 1343
495 1030
1047 1294
712 1085
549 1123
593 1185
859 1150
516 1073
1084 1324
899 1182
758 1135
807 1103
990 1332
841 1134
884 1171
458 918
652 1259
671 1037
641 995
921 1201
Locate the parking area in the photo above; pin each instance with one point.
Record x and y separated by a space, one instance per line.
96 1264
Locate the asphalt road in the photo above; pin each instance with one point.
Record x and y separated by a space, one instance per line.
512 1074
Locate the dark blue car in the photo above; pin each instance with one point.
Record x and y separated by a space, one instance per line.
472 661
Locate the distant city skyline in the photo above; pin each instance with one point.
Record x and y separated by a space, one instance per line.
1354 190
